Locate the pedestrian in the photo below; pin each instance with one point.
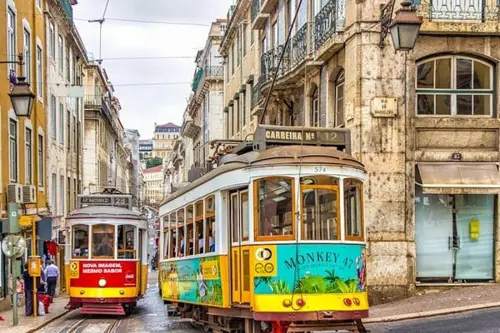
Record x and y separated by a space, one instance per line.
20 290
51 273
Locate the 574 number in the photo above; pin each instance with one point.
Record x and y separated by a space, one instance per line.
319 169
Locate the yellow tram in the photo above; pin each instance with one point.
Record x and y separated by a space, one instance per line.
107 269
272 239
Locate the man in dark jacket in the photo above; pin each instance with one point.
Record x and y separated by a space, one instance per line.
28 289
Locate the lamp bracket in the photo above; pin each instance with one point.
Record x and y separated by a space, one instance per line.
20 62
386 11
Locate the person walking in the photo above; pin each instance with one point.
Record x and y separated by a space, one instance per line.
51 273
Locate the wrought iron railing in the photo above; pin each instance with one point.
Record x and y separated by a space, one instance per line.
458 10
298 46
256 92
269 63
67 9
255 9
93 100
329 20
214 72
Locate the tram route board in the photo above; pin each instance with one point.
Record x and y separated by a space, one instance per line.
116 200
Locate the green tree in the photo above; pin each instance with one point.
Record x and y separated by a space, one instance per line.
152 162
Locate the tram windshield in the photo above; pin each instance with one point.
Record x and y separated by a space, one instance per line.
126 242
103 241
353 201
80 241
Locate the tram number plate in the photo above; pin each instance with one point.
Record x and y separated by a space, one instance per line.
319 169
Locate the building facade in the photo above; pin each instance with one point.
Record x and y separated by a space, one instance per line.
163 139
23 140
106 159
424 124
66 57
145 150
153 185
132 139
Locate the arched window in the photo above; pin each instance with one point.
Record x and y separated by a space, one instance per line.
315 108
339 99
454 86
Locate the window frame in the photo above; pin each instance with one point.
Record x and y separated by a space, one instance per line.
340 82
315 116
27 54
113 245
28 151
60 61
362 210
61 123
256 210
39 71
452 91
13 150
336 188
11 26
52 40
73 228
40 157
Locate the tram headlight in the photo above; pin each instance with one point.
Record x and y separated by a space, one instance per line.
102 283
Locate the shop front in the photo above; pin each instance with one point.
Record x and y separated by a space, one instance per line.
455 221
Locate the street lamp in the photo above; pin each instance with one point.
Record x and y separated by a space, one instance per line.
404 28
22 98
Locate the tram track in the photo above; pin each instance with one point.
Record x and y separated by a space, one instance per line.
80 325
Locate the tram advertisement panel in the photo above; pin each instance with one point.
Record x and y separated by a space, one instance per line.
196 280
309 268
116 273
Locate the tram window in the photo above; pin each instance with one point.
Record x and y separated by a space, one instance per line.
103 237
353 201
319 180
274 217
198 240
173 236
210 223
180 232
126 242
320 212
190 230
244 215
235 223
166 236
81 241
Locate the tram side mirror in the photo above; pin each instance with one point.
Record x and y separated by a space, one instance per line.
34 266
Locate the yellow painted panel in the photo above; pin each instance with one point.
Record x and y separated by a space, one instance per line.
313 302
263 260
224 270
104 292
144 279
66 275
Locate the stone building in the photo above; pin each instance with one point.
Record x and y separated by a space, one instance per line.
132 139
106 159
163 138
424 123
153 185
66 58
203 119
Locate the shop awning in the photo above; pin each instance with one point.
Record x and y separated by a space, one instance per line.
458 177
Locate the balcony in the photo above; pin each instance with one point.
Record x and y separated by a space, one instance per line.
97 102
329 27
66 5
259 18
268 6
444 16
197 79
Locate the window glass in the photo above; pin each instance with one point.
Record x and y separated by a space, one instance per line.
275 206
443 73
320 213
180 232
210 224
234 217
103 237
464 74
245 225
126 242
319 180
199 239
482 76
353 209
81 241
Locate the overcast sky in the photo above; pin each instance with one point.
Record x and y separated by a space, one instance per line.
143 105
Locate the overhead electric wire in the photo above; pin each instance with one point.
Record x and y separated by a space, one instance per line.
148 21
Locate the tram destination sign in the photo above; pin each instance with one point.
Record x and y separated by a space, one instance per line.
269 135
124 201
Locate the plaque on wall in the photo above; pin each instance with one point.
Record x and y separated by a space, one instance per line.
384 107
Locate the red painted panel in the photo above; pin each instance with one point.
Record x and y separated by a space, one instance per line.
116 273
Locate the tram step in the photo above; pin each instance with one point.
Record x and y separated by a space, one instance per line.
102 308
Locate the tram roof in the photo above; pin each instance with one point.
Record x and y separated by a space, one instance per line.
106 212
276 156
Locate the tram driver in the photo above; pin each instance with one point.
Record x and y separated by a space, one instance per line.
105 249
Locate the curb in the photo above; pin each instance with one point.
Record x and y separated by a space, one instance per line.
45 323
433 313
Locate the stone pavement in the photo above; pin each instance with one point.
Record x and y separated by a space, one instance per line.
435 303
32 324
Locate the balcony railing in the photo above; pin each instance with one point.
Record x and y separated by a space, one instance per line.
98 102
67 9
255 10
256 93
214 72
458 10
329 20
298 46
269 62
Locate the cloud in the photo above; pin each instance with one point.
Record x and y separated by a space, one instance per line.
143 105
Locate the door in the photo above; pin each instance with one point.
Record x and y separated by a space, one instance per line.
240 253
454 237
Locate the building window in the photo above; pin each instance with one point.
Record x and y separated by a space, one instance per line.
68 64
61 55
29 156
315 108
54 194
61 191
39 74
339 100
53 117
27 55
13 162
61 123
11 38
454 86
68 126
52 40
40 160
39 3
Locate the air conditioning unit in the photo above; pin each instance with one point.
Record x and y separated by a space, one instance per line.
29 194
14 193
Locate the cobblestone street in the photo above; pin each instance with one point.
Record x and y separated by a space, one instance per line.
150 316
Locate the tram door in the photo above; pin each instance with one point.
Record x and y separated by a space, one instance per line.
240 251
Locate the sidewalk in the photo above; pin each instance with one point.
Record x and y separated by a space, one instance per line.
32 324
437 303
